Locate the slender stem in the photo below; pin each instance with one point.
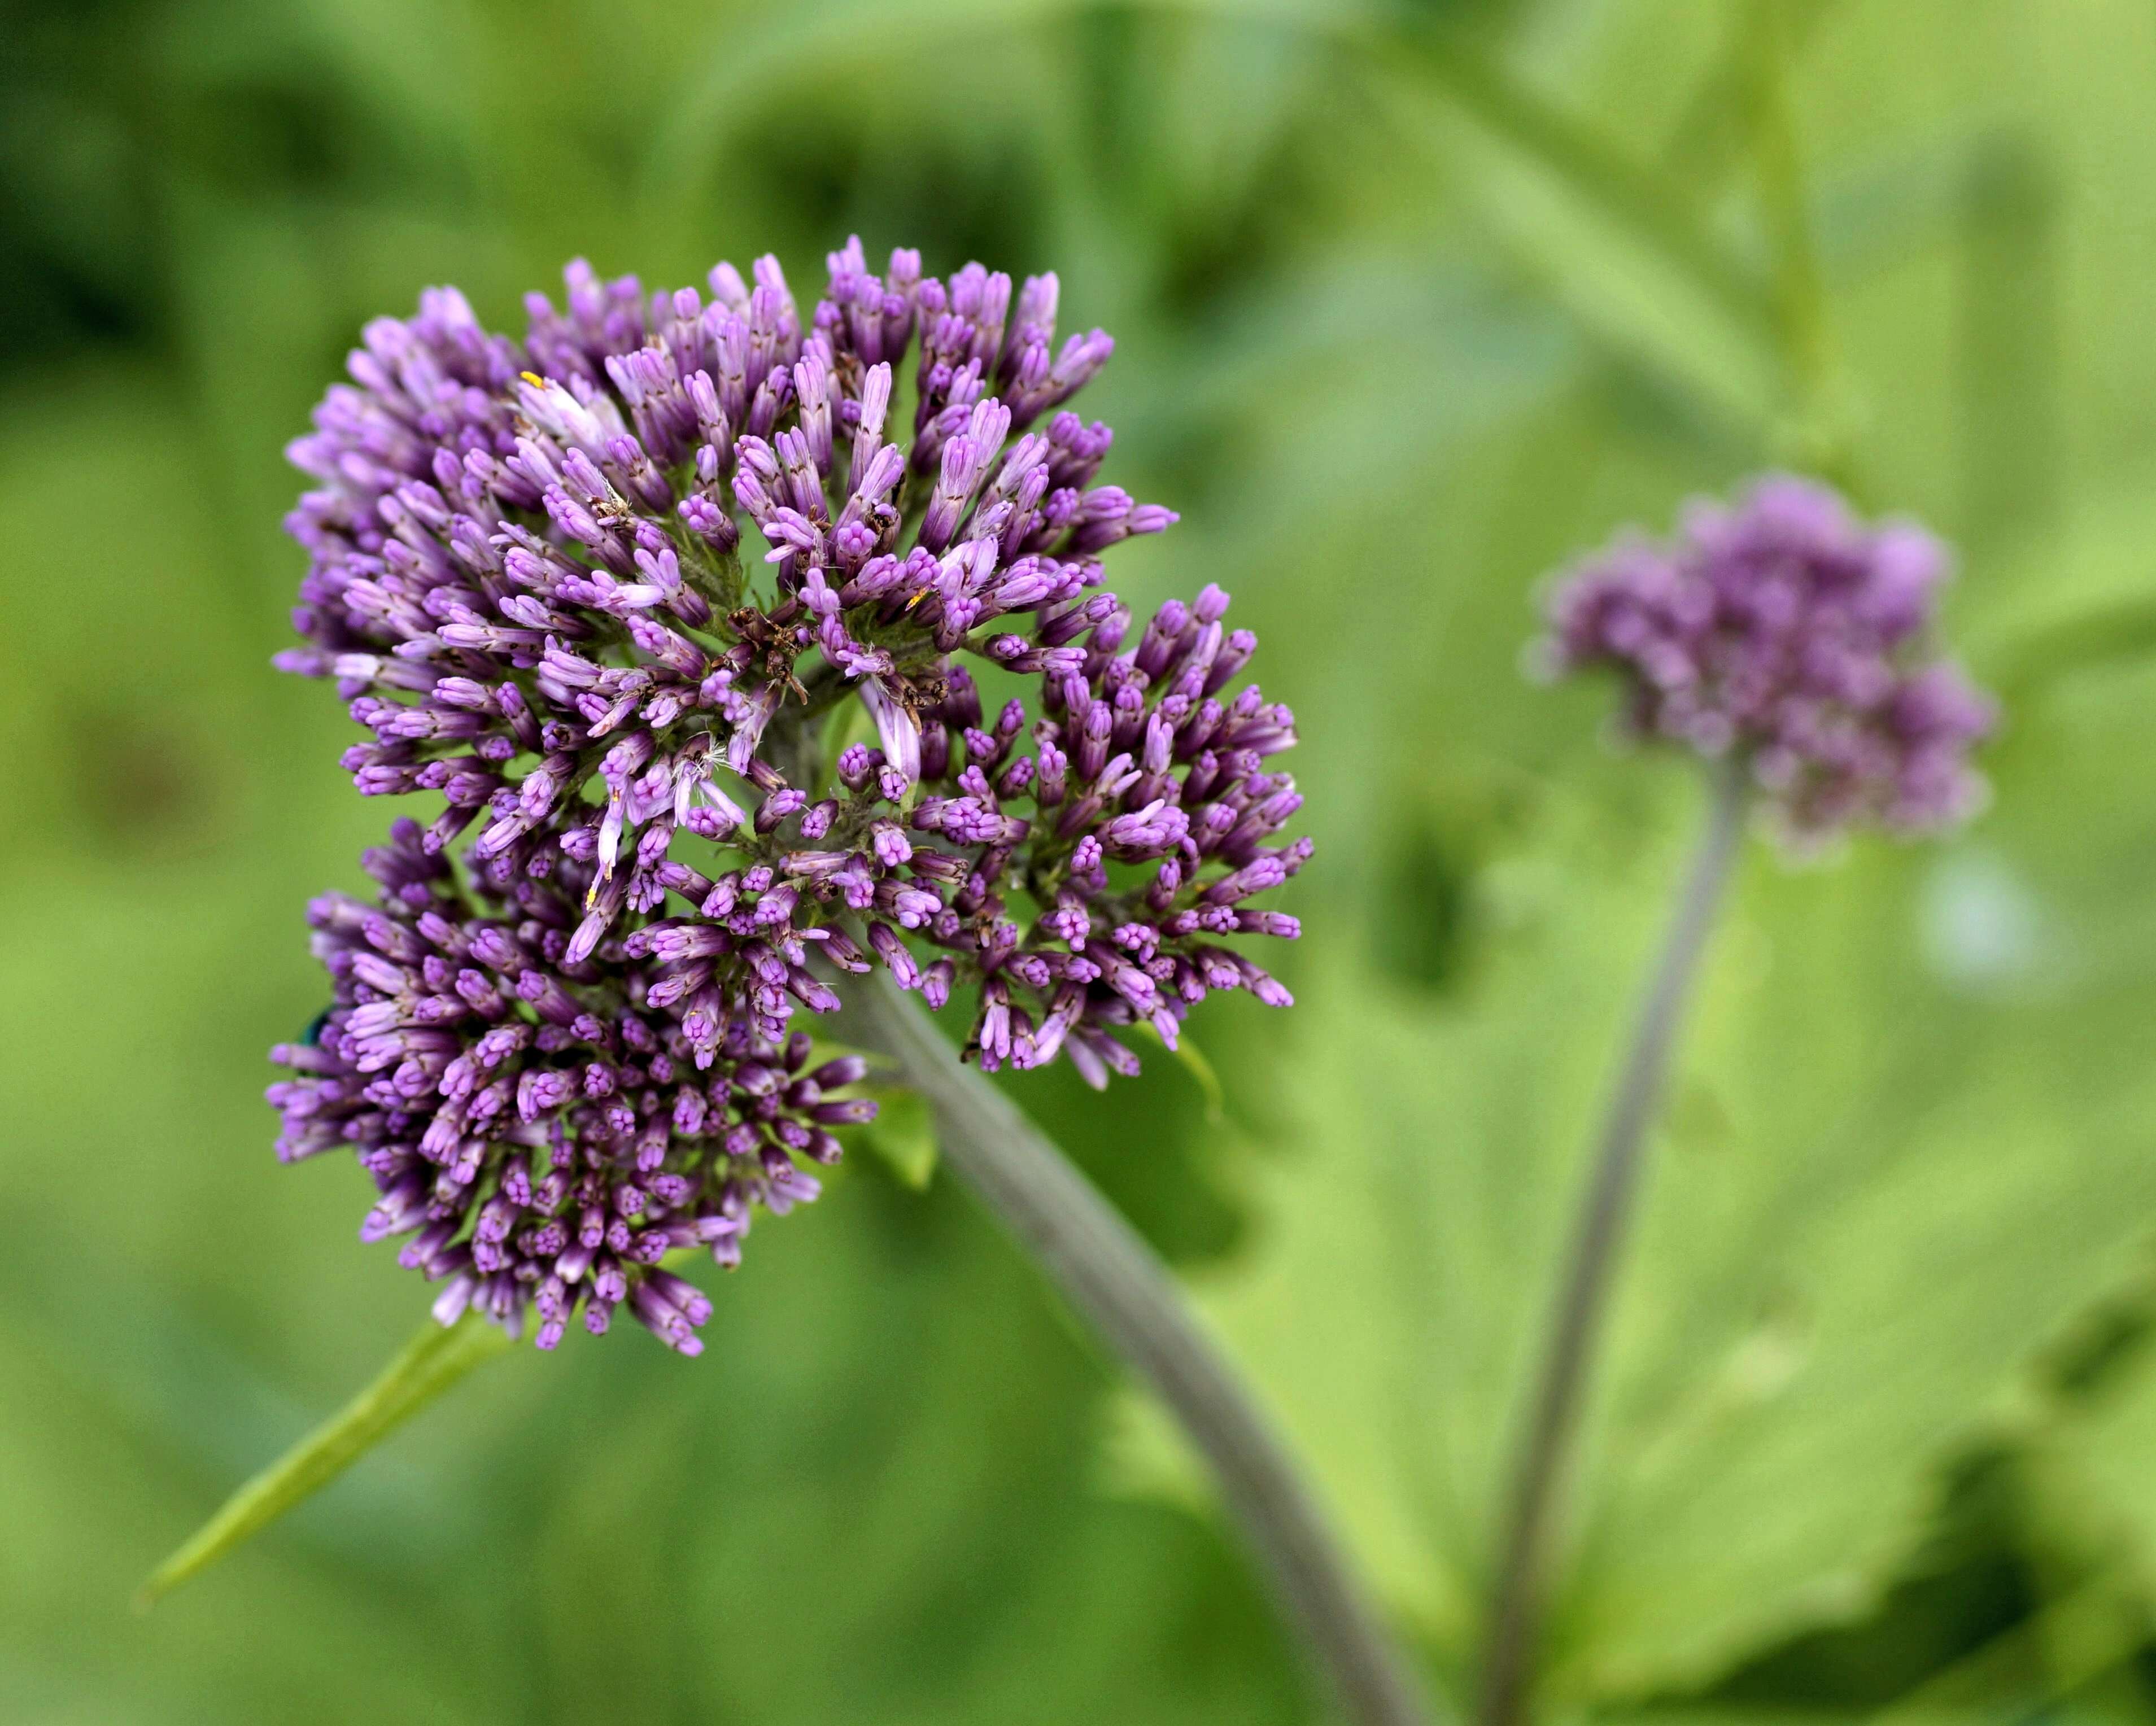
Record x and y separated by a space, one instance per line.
1546 1446
1115 1281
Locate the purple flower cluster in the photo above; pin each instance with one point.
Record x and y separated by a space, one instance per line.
534 578
545 1130
1095 876
1785 629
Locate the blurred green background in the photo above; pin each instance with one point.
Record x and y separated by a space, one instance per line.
1411 304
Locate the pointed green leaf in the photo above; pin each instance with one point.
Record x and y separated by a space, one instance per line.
434 1360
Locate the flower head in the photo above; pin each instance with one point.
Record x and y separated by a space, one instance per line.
527 558
526 576
546 1129
1101 871
1784 629
576 1054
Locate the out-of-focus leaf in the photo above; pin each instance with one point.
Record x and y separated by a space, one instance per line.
1471 353
903 1134
1620 249
1192 1059
438 1358
772 46
2047 1658
1636 299
2092 1431
1877 1191
2078 600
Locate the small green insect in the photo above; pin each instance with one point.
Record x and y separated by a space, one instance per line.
312 1036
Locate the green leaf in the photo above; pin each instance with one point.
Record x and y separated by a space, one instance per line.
2090 1426
903 1134
1627 253
1900 1148
2079 600
434 1361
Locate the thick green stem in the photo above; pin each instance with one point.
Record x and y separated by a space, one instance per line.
1545 1447
1116 1283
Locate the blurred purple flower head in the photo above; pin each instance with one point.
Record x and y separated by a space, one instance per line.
679 777
1784 628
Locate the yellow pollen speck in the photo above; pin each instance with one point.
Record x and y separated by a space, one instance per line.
534 379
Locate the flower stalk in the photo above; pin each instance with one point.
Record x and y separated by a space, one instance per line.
1122 1290
1548 1445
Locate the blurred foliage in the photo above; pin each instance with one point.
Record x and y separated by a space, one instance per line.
1413 302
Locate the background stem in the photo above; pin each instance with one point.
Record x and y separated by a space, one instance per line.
1115 1281
1545 1447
